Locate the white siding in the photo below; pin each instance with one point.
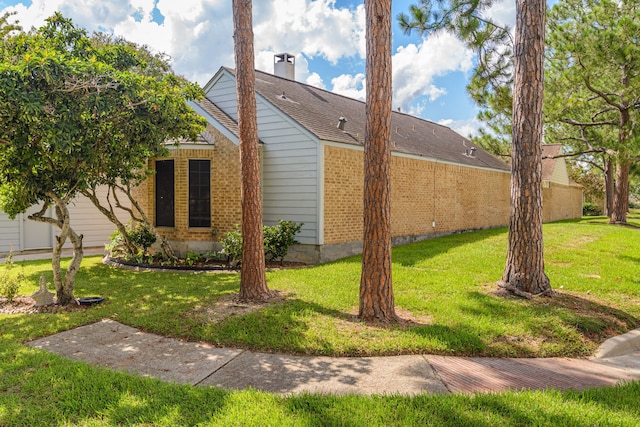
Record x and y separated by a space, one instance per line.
223 94
9 233
85 220
290 173
289 163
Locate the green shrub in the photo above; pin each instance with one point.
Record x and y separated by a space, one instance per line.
232 246
141 236
10 281
277 241
115 246
591 209
192 258
279 238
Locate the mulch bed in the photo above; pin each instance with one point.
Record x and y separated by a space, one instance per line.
218 266
24 304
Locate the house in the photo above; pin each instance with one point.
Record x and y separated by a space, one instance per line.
312 172
312 157
561 197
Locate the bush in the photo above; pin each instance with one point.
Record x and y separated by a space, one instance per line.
279 238
591 209
10 281
139 235
115 246
232 246
277 241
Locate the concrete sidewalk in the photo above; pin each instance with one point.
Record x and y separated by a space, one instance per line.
114 345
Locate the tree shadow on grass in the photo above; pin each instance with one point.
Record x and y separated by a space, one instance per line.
415 253
289 327
595 320
549 319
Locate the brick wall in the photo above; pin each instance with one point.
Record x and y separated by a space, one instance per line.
561 202
465 198
225 192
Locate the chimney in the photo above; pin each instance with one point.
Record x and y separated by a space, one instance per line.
284 65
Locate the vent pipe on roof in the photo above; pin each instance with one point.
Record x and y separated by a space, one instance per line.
284 65
341 122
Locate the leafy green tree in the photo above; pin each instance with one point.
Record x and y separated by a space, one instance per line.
78 111
593 77
147 132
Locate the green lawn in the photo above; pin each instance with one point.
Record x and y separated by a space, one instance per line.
444 285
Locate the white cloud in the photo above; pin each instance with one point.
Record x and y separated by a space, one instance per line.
465 128
503 12
351 86
415 67
315 28
314 79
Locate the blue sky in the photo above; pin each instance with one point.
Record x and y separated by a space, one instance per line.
327 37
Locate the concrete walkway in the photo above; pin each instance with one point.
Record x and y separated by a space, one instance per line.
114 345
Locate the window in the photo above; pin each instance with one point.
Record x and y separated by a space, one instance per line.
164 194
199 193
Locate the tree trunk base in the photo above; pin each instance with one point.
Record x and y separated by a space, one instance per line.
386 320
513 290
64 300
256 298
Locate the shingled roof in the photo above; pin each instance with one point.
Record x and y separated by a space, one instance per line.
223 118
319 110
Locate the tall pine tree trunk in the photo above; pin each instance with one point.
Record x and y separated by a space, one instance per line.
623 165
376 292
253 282
621 194
524 271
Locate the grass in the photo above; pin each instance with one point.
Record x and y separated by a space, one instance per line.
444 284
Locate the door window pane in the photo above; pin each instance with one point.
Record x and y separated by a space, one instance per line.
199 193
165 192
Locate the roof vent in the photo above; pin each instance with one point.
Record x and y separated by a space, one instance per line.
284 65
341 122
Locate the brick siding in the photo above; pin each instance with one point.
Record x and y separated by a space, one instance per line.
465 198
561 202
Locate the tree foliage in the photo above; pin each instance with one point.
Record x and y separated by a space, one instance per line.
593 77
78 111
492 79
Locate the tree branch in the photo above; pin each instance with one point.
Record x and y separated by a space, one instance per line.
600 93
589 124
